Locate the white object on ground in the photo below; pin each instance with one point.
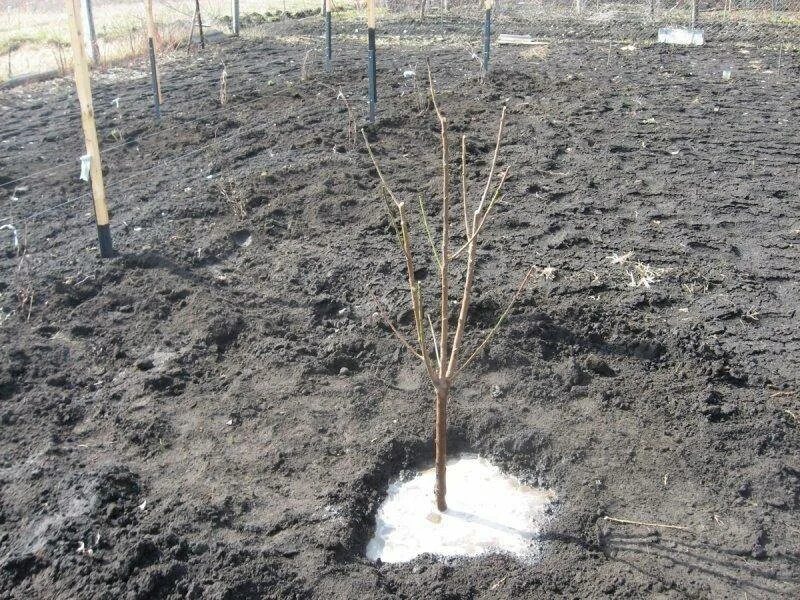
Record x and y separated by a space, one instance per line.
518 40
409 73
488 511
681 36
726 74
86 165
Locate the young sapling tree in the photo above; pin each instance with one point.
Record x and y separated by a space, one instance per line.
444 364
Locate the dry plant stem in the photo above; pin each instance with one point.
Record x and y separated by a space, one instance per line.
464 184
433 336
424 218
478 223
644 524
494 161
416 297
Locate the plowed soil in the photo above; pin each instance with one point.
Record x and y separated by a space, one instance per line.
216 411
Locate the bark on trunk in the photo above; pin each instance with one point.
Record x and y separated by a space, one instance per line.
441 448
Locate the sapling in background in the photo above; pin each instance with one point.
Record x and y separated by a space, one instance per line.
444 364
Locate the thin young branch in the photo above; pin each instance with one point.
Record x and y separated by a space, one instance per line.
464 202
643 524
494 161
378 169
416 297
464 310
428 232
480 218
433 92
435 346
445 257
398 335
499 321
392 217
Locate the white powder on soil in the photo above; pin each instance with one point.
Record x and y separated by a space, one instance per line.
487 511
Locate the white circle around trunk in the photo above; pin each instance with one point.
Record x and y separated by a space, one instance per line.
487 511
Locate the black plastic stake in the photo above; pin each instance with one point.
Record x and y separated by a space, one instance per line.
487 38
104 238
154 78
328 49
371 73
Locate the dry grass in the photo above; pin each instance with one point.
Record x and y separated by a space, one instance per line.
34 38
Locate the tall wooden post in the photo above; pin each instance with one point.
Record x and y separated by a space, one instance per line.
235 16
152 36
90 36
371 61
84 87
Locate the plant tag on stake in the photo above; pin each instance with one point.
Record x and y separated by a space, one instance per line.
86 165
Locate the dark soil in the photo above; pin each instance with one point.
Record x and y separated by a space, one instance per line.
216 412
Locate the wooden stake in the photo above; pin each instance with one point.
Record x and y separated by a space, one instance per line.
84 87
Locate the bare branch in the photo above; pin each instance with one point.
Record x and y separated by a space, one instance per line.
433 92
480 219
428 232
398 335
392 217
499 321
378 169
494 160
433 335
463 311
645 524
416 296
464 202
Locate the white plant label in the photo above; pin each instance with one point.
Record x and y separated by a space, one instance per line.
86 165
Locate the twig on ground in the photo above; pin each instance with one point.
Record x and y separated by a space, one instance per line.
645 524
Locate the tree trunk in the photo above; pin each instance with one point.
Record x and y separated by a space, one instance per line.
440 489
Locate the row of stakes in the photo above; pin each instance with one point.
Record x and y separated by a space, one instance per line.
79 13
372 90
